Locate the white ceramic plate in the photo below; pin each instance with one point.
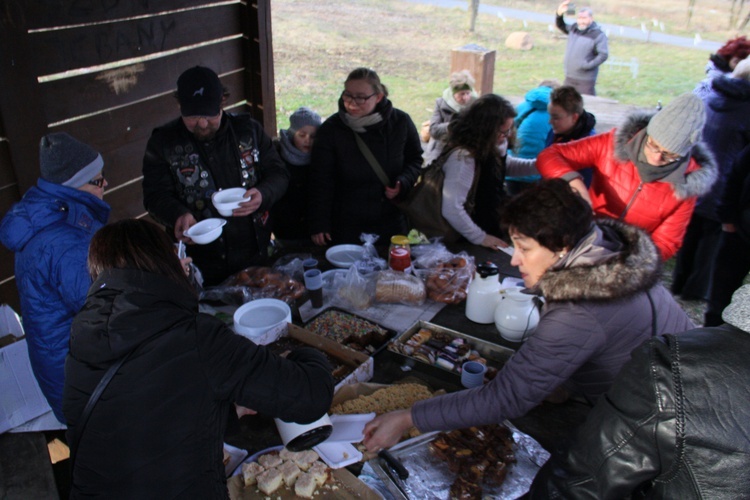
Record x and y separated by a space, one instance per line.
344 255
236 456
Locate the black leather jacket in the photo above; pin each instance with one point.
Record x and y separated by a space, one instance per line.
676 424
181 173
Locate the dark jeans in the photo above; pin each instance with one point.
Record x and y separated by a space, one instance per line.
692 271
730 269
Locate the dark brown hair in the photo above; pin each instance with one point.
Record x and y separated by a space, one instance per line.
135 244
371 77
477 126
551 212
568 99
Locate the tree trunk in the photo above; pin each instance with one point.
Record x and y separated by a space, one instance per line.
473 11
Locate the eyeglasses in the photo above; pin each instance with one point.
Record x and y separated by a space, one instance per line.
359 100
197 118
662 153
99 182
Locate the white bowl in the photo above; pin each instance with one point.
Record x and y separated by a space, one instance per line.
206 230
259 316
227 200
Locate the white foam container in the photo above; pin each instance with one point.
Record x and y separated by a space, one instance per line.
338 451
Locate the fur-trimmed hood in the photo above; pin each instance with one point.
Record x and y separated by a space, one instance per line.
637 268
697 182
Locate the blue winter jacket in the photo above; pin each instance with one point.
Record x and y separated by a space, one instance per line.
532 127
49 230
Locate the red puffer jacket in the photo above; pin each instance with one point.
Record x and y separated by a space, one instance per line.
661 208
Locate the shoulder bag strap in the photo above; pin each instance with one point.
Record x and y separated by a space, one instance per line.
103 383
372 160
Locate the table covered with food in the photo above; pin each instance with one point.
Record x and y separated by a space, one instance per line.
392 337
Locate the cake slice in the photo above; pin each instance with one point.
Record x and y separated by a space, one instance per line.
269 481
305 459
285 454
290 472
270 460
319 472
305 485
250 472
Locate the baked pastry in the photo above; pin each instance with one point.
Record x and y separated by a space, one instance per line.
290 472
319 472
250 472
395 287
269 481
305 485
305 459
270 460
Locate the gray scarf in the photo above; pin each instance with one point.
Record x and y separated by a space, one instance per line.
289 151
674 172
599 245
359 124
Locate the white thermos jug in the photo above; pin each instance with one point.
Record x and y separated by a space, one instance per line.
483 294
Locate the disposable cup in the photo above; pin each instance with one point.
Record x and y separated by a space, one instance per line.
472 374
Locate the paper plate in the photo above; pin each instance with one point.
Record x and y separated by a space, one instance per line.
344 255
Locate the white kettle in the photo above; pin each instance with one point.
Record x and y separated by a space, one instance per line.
483 294
516 315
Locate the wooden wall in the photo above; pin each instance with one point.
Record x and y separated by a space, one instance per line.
105 72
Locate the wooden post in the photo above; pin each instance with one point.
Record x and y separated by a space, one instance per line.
479 61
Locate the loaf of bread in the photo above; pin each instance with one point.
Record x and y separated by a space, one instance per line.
394 287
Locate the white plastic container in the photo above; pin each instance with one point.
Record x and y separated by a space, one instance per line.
205 231
259 318
516 316
483 294
227 200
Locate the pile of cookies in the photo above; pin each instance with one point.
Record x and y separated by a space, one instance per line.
447 280
301 472
267 283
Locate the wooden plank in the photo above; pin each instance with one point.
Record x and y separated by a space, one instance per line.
126 202
258 57
19 101
7 176
85 94
104 43
53 13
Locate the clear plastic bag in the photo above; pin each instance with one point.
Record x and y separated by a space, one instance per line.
354 291
446 275
395 287
370 261
260 282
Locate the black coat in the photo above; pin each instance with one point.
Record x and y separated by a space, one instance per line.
180 174
346 197
157 430
675 424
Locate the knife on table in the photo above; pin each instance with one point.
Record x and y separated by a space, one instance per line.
395 471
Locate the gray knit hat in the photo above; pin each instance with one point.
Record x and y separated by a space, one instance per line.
737 313
67 161
679 125
302 117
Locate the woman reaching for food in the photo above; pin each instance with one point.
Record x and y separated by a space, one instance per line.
600 282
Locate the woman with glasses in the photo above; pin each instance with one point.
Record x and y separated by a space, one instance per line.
475 170
365 156
648 172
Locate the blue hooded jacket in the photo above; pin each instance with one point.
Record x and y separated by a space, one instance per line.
49 230
532 124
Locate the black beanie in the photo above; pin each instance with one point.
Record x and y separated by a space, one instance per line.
67 161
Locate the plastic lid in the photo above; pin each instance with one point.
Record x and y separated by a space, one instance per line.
399 239
486 269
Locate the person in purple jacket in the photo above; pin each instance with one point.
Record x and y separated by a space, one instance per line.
600 282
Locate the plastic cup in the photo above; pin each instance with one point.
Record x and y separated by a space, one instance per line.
314 285
472 374
309 264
